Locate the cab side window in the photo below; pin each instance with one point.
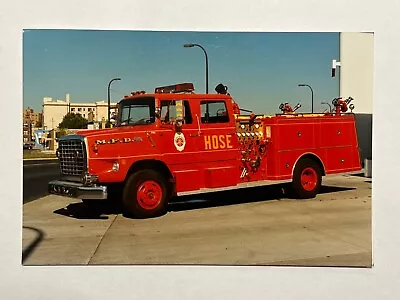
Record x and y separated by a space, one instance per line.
168 112
214 112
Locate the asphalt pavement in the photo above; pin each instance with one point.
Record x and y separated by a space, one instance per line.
36 175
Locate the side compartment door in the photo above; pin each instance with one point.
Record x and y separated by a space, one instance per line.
218 144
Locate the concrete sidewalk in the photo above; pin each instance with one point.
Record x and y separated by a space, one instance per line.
333 229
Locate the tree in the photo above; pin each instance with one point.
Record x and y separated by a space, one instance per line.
38 124
73 121
61 133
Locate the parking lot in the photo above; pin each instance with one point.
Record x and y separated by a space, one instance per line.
257 226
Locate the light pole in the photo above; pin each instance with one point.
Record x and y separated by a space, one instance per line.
205 53
312 96
108 98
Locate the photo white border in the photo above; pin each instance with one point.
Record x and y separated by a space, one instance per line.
135 282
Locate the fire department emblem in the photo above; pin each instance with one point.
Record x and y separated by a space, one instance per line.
179 141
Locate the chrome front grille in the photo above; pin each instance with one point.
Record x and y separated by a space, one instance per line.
71 154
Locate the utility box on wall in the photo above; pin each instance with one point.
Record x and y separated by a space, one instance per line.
368 168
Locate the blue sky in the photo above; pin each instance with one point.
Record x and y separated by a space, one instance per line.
261 70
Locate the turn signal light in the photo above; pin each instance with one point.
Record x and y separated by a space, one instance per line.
115 166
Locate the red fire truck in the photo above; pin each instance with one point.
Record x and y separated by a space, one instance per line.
174 142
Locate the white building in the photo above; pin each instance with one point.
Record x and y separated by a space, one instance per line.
54 111
356 75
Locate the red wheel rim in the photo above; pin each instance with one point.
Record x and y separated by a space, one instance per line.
309 179
149 194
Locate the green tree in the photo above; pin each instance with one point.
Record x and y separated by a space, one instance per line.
38 124
61 132
73 121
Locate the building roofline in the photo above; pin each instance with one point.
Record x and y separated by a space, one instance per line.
76 104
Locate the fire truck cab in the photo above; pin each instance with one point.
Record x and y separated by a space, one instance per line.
174 142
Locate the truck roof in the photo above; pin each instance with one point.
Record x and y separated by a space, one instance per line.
178 96
180 91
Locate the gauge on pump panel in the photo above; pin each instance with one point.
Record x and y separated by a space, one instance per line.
257 126
242 126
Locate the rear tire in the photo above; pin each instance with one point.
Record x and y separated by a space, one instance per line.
307 178
145 194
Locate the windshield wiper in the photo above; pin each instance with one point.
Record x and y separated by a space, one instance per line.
142 121
124 121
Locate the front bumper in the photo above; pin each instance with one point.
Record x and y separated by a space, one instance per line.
77 190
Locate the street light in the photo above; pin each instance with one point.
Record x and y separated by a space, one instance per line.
108 98
205 53
312 96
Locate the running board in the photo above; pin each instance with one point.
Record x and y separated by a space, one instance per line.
234 187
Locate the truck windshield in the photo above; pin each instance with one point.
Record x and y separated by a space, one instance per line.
139 111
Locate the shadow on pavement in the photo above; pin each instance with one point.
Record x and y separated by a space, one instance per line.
29 250
325 189
87 210
225 198
240 196
100 210
360 175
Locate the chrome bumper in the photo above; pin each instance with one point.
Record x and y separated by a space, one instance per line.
77 190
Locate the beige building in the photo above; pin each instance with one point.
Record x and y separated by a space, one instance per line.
55 110
357 69
30 120
356 75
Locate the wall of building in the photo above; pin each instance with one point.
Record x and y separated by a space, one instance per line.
356 71
54 111
30 119
357 80
101 112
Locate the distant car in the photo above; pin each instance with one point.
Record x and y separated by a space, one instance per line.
28 146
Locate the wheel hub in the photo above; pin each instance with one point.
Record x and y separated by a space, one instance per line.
309 179
149 194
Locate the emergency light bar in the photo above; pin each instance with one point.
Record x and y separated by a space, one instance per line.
175 88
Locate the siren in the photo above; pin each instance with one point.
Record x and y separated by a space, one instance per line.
175 88
221 89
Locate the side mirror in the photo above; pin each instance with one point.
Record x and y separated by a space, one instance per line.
158 113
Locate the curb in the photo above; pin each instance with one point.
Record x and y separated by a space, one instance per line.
42 158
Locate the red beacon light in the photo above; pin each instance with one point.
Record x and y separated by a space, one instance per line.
138 93
175 88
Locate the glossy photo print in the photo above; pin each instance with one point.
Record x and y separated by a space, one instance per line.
197 148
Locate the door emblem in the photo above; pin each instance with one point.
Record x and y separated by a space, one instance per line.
179 141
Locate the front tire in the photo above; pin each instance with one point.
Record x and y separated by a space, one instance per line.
307 178
145 194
